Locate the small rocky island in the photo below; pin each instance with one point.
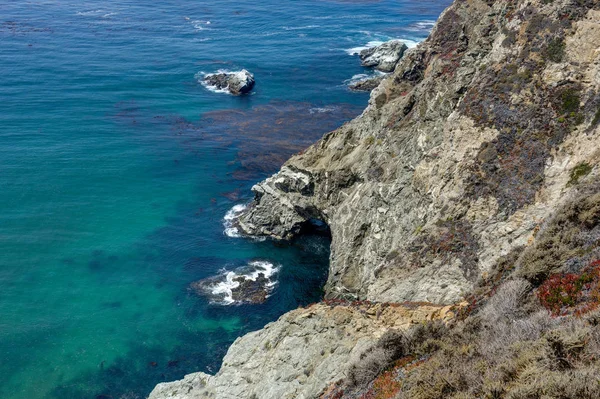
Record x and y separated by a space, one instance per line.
243 290
382 58
237 83
250 284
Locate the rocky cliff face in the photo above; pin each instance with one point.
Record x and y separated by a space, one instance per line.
480 133
460 154
301 353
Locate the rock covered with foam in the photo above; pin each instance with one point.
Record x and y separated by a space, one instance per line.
236 83
250 284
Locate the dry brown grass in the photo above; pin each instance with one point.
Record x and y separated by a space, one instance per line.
509 346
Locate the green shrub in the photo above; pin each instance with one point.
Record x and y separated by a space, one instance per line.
570 101
555 51
579 171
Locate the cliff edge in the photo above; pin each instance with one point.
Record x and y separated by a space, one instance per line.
458 157
465 154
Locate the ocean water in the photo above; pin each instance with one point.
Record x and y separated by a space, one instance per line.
117 168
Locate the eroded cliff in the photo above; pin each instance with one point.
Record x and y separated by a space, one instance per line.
465 151
460 154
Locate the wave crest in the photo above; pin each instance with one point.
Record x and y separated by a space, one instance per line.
252 283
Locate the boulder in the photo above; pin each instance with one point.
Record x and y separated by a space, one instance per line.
251 290
383 57
236 83
248 284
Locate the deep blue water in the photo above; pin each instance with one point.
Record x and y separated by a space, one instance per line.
117 168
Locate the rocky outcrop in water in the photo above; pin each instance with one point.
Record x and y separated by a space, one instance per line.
245 291
479 135
236 83
384 57
252 284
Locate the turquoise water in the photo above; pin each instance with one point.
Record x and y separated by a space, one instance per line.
117 168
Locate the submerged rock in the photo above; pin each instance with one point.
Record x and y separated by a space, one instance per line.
251 291
250 284
384 57
236 83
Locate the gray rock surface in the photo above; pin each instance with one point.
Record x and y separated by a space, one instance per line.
236 83
456 160
299 355
460 156
367 84
383 57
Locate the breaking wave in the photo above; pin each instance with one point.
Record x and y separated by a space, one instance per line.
220 289
230 216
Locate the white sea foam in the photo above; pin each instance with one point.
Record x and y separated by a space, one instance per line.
357 78
374 43
222 289
230 216
322 110
91 12
300 27
422 26
99 12
363 76
200 76
199 24
357 50
410 43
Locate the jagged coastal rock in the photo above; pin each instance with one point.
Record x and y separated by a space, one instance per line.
384 57
301 353
252 283
460 154
481 133
236 83
245 289
366 84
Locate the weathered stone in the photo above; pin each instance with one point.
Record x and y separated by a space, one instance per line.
421 153
461 154
366 84
297 356
384 57
236 83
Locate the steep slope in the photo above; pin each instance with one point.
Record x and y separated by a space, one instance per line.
457 159
450 183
